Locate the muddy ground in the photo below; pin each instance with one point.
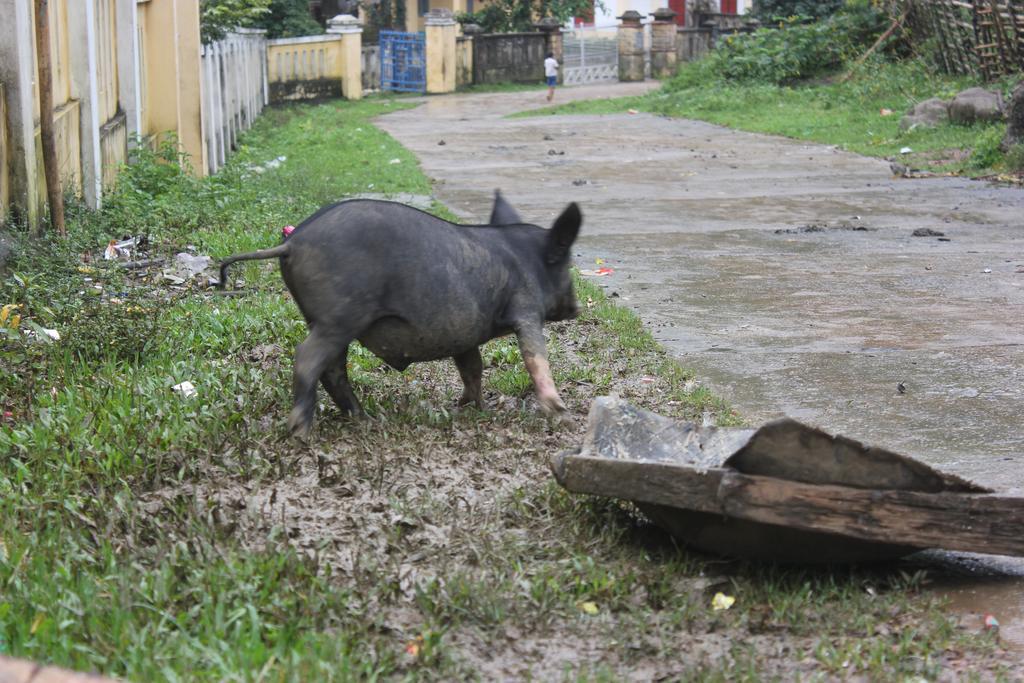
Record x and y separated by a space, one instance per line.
787 274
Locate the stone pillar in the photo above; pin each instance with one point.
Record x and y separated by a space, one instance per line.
17 72
554 42
663 43
351 32
631 47
441 62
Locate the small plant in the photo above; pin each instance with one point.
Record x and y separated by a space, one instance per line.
1015 159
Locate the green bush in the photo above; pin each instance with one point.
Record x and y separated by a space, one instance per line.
789 52
1015 158
986 152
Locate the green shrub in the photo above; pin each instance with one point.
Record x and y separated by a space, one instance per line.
986 151
1015 158
789 52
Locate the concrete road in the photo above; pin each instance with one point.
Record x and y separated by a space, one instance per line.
784 273
787 275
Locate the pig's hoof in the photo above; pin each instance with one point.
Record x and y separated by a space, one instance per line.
555 410
299 427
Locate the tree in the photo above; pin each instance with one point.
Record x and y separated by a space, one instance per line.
289 18
217 17
770 11
509 16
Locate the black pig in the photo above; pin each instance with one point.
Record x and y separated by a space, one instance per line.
413 287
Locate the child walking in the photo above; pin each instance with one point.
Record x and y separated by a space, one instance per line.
551 74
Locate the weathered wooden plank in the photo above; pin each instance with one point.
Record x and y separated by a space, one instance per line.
646 482
954 521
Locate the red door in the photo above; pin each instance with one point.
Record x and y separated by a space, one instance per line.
679 7
728 6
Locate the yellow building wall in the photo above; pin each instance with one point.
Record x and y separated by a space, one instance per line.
170 70
106 59
5 177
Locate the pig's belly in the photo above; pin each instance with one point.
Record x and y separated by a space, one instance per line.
399 342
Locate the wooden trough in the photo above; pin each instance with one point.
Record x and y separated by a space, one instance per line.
784 492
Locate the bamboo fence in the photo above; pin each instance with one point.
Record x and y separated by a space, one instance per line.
981 37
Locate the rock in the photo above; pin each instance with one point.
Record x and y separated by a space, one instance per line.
1014 120
976 104
927 114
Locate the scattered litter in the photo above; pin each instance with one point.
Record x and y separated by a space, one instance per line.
413 647
632 111
580 181
555 152
600 272
52 334
990 622
287 231
722 601
117 249
599 261
186 389
275 163
901 388
987 270
189 267
927 232
589 607
885 112
945 239
648 380
905 150
395 161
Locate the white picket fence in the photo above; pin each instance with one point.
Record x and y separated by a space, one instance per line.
234 90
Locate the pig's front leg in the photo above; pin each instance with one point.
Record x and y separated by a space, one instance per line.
535 357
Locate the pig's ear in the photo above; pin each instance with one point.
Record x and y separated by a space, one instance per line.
563 234
503 213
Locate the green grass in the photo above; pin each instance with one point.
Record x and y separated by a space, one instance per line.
158 538
848 115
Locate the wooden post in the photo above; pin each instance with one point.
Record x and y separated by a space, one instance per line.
53 189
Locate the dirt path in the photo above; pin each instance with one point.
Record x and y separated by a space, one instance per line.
785 273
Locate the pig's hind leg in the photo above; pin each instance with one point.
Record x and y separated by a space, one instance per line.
313 357
471 370
335 381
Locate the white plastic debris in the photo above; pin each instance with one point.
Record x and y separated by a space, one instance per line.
52 334
186 389
117 249
906 150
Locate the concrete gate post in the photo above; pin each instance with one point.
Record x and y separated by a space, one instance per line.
347 26
441 61
554 42
663 43
631 47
